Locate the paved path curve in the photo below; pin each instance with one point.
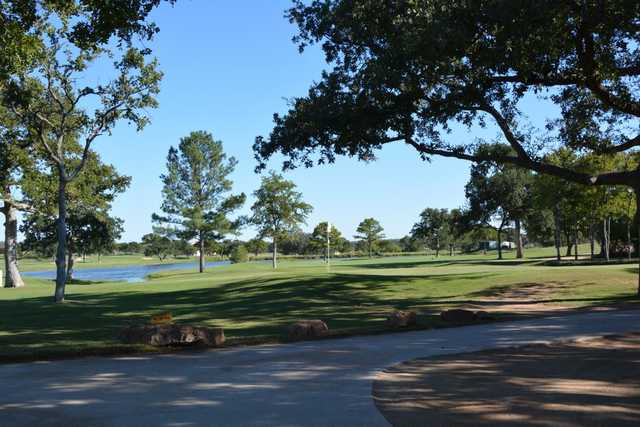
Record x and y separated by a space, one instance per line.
322 383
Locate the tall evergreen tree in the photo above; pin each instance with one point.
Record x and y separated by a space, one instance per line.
195 195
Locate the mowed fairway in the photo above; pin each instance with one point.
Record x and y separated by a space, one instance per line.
255 303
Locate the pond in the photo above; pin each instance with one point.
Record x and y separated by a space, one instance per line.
126 273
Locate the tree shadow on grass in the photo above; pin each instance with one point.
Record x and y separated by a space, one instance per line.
248 307
633 270
445 263
258 306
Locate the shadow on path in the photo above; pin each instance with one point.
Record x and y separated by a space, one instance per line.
593 382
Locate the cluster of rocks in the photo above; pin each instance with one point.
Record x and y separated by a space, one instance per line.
310 329
172 335
402 319
459 315
307 329
179 335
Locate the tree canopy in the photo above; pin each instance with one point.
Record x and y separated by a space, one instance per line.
406 71
370 232
278 209
57 111
319 237
90 228
157 244
94 23
434 227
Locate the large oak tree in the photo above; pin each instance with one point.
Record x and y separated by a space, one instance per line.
434 227
406 71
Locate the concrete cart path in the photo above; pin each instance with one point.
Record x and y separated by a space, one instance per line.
320 383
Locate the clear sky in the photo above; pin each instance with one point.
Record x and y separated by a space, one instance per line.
228 67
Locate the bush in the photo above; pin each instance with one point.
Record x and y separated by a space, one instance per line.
239 254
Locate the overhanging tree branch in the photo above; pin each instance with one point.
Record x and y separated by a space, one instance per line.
611 178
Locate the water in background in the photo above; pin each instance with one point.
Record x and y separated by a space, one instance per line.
127 273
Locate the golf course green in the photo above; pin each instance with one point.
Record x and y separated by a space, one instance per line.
254 303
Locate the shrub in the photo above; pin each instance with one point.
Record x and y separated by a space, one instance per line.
239 254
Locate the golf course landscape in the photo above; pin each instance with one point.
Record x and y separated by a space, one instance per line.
319 213
254 303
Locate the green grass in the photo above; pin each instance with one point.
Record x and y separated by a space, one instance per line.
93 261
253 302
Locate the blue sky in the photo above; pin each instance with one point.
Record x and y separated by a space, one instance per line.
228 67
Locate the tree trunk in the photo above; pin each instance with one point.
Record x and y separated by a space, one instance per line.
12 278
569 239
370 249
69 266
451 249
328 250
629 239
437 247
637 190
61 228
575 241
500 242
201 266
605 238
275 253
519 249
592 241
556 218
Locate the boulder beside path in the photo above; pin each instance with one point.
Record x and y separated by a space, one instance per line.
172 334
402 319
306 329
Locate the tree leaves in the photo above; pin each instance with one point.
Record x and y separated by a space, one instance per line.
196 187
278 208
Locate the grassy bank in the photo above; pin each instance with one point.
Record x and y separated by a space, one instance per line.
106 261
253 302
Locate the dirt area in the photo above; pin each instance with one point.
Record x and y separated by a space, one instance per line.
591 382
528 298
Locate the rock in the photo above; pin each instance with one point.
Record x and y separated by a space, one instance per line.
162 319
166 335
483 315
401 319
458 315
305 329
